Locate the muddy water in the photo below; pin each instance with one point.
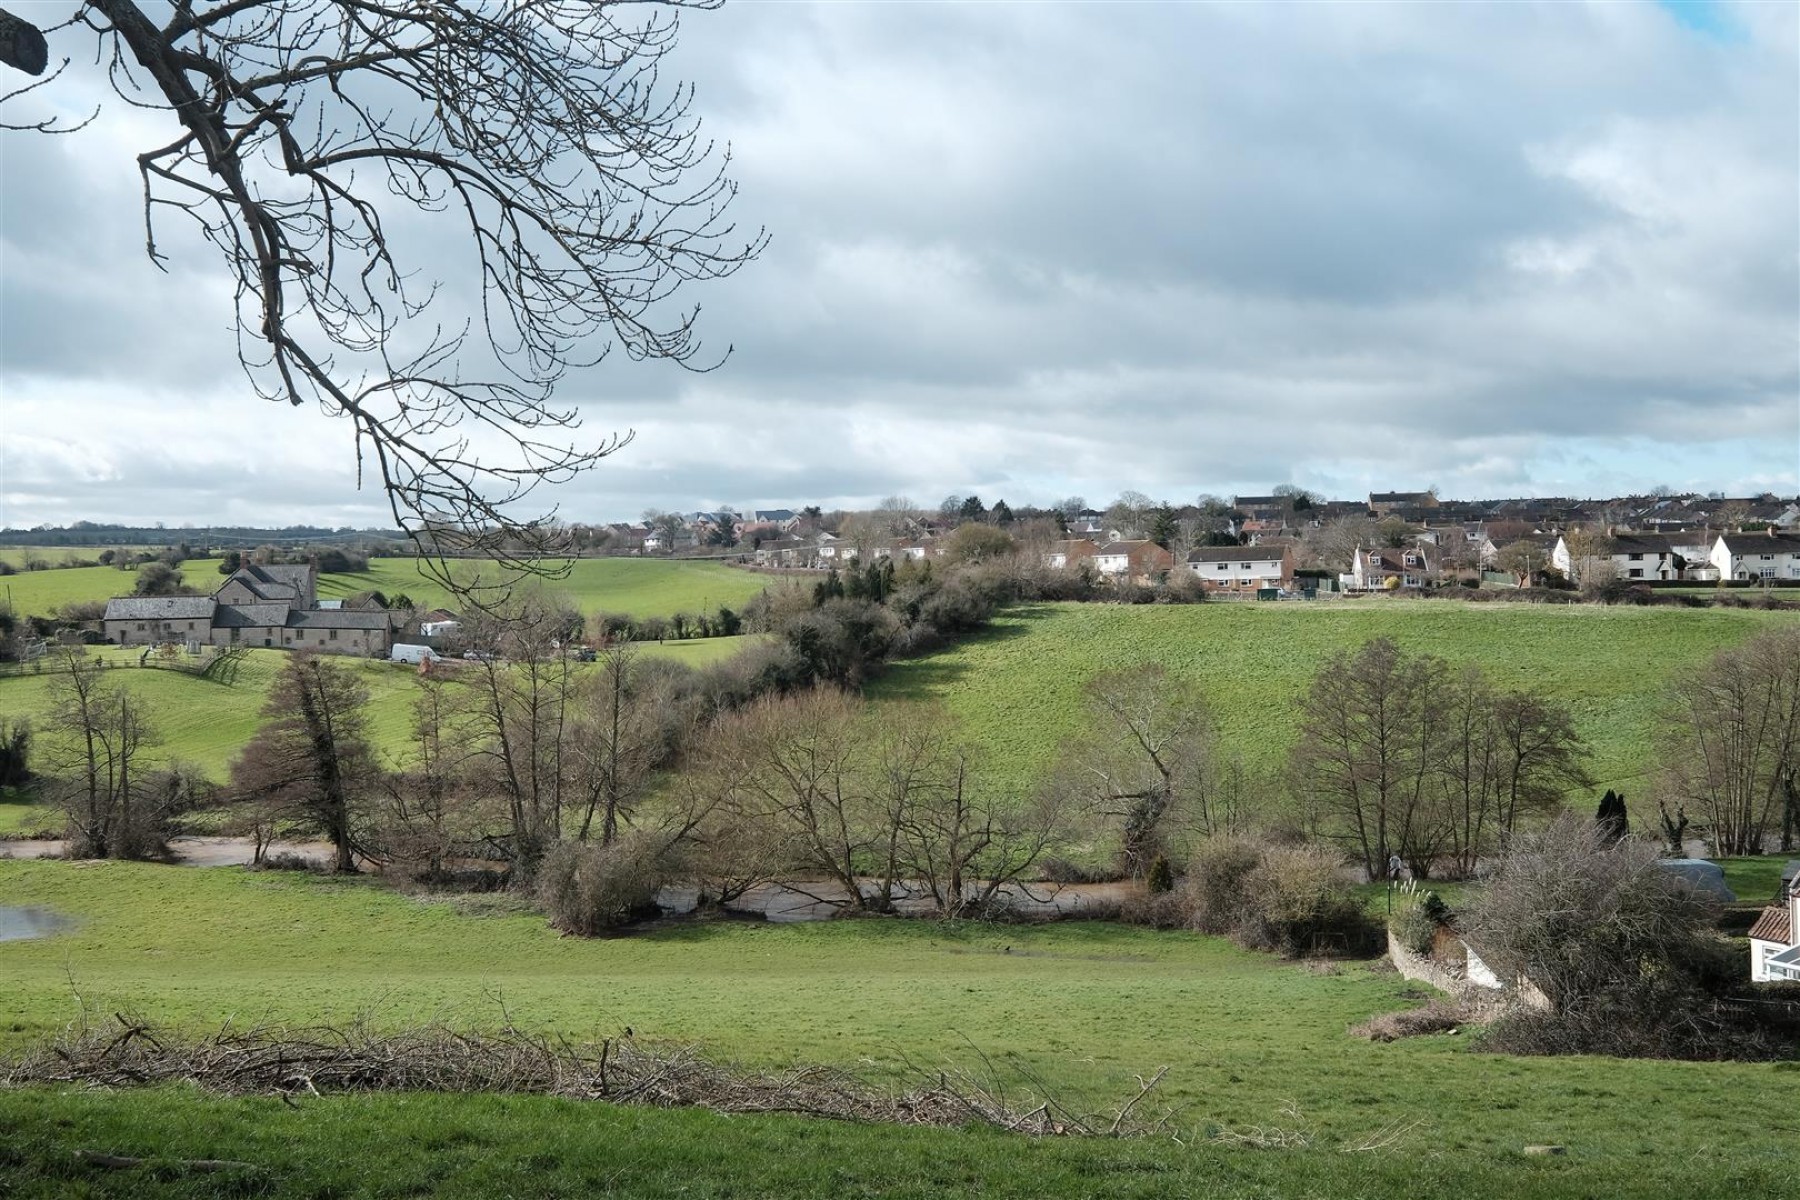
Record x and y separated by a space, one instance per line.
189 851
779 902
17 924
800 901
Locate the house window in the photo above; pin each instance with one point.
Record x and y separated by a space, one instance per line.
334 635
1767 572
1222 567
1767 557
1635 573
140 627
1244 566
1635 557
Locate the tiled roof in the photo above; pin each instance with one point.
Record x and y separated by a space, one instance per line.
1762 543
240 616
160 608
341 619
1773 926
1237 554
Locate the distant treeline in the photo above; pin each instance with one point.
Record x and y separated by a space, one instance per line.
88 533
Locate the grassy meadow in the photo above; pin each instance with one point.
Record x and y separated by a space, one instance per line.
639 587
40 593
205 723
1253 1045
1018 688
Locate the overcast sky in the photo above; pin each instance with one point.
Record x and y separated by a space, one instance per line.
1033 250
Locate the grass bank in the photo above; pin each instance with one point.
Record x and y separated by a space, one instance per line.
1018 688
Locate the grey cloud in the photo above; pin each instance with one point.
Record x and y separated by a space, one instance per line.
1040 249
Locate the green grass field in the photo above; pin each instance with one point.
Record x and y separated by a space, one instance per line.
1018 689
207 723
1251 1042
40 593
639 587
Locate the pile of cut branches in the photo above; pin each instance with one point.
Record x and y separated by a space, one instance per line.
321 1060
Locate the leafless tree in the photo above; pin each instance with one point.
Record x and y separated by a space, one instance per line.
98 732
1145 759
520 717
312 140
310 764
1734 740
618 742
1333 545
1372 728
428 802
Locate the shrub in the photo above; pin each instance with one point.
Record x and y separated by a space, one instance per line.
1623 952
587 889
1161 876
1289 898
1412 925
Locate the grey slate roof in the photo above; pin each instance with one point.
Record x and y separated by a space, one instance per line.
343 618
1237 554
1762 543
160 608
240 616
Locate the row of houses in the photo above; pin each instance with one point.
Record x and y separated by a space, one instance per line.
1767 554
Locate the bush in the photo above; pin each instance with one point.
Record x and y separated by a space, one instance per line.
1263 895
1413 926
586 889
1624 954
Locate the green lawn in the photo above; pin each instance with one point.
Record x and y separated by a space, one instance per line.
1018 689
639 587
1250 1042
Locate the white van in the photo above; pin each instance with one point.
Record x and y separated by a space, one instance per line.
412 654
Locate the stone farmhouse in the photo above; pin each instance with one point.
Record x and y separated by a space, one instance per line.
273 606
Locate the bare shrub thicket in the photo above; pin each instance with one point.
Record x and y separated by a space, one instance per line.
1622 949
866 804
586 888
1291 898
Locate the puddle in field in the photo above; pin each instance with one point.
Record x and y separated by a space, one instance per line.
17 924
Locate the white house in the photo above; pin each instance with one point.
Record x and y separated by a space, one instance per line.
1775 941
1769 554
1635 555
1243 568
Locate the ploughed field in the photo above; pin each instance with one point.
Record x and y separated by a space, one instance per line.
1018 688
1269 1094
